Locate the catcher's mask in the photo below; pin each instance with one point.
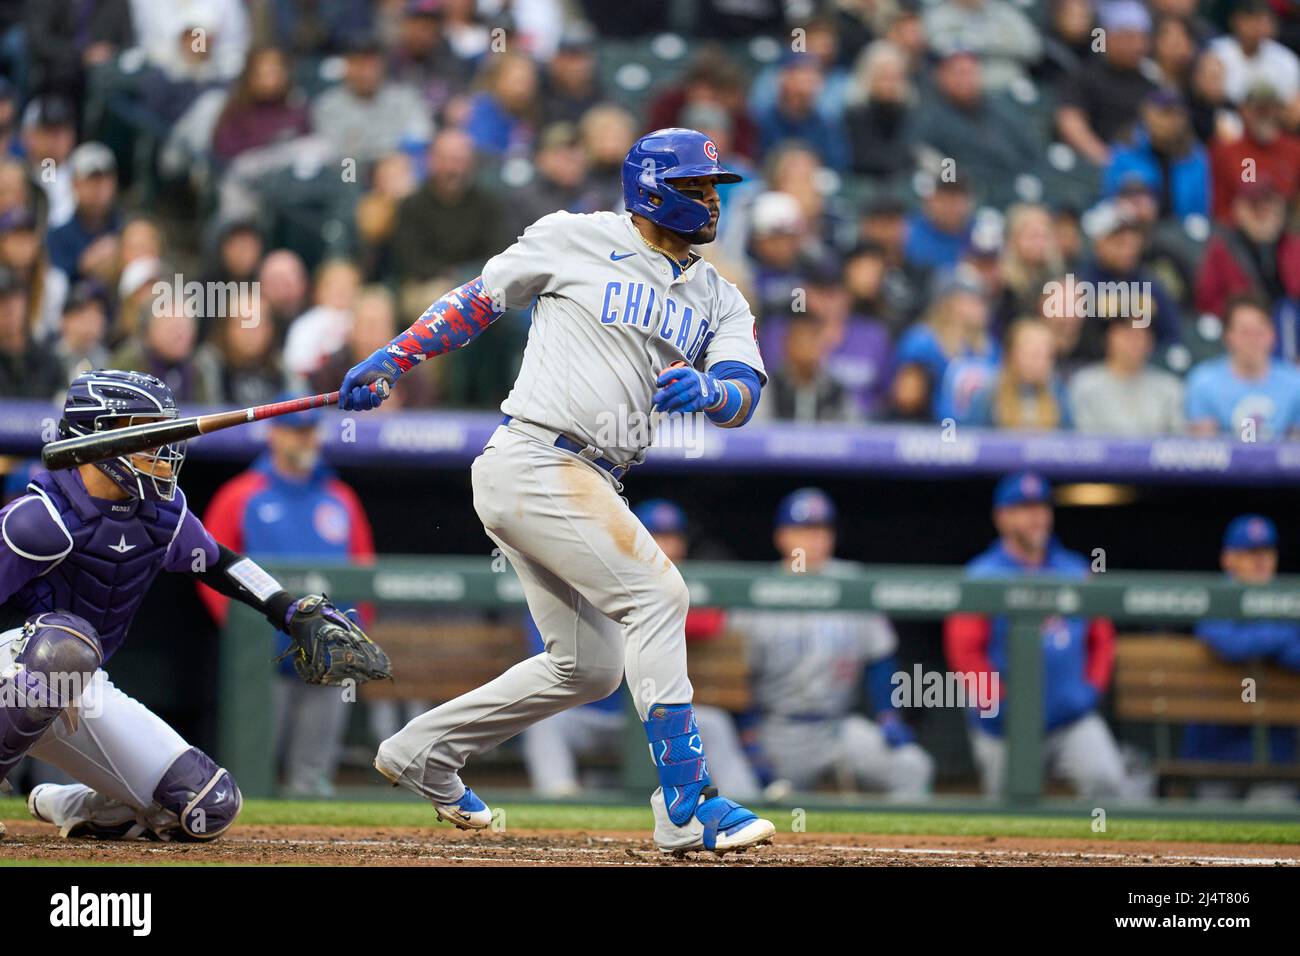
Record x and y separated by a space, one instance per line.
104 399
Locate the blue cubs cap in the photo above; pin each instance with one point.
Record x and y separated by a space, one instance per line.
1250 531
805 507
1022 488
661 516
305 419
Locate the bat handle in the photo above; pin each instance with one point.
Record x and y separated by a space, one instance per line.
379 386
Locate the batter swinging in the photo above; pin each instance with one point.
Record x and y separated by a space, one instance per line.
627 321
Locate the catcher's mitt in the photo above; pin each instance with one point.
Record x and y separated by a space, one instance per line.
328 647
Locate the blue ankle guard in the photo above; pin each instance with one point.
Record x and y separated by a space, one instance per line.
678 754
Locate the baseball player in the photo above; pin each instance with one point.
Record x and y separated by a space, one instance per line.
1078 654
808 669
552 746
627 322
1249 556
77 555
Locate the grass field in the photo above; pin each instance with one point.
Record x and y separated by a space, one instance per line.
411 825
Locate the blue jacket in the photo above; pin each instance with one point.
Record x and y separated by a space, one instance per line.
1276 641
1068 694
261 513
1189 186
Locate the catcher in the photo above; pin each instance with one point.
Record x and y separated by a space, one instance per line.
77 555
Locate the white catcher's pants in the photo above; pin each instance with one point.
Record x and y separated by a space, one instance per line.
581 556
113 744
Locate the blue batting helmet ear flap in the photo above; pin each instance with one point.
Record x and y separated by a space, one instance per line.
671 154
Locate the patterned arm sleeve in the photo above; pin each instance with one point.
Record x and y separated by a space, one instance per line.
452 322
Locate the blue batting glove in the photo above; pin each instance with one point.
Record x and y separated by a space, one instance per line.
355 393
896 731
684 389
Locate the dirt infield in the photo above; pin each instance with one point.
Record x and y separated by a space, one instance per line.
400 846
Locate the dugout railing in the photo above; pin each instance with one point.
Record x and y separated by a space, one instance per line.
459 584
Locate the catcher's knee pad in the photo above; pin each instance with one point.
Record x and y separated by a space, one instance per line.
60 655
203 797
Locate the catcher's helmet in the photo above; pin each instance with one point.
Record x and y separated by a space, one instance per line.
670 154
103 399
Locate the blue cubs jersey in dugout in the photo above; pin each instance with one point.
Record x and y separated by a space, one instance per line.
261 512
1275 641
1070 676
65 550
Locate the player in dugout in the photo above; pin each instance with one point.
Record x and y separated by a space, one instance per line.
292 504
1249 556
809 668
1078 654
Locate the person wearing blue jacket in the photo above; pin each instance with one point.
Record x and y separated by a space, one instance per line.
1078 653
1249 556
290 503
1164 155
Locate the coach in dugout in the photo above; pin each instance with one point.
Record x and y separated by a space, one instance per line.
1078 654
1249 556
291 503
809 669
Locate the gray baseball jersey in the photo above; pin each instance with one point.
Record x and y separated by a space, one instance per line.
811 662
609 317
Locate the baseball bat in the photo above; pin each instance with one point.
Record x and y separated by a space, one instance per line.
120 442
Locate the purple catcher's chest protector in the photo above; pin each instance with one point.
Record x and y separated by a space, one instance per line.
118 548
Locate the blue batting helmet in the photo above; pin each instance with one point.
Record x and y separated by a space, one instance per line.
107 398
670 154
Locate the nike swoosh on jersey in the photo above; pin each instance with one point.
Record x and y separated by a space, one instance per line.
615 257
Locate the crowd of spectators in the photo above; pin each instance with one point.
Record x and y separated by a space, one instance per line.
1025 214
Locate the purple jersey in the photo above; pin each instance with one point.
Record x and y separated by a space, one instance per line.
64 550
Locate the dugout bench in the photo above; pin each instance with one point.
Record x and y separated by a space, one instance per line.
449 587
1171 679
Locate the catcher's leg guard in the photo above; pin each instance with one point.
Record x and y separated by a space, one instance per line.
203 798
60 655
689 814
81 813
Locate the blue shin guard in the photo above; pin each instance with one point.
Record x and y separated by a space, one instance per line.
678 754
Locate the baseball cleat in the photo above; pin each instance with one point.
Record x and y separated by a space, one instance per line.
121 822
718 825
2 831
467 813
